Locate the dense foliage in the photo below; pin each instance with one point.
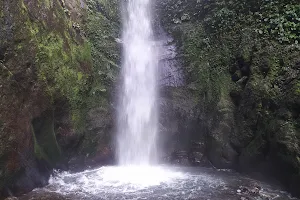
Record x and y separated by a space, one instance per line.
277 19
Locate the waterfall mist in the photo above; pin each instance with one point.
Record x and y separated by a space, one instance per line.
137 114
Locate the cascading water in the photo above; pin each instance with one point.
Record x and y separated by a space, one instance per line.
137 122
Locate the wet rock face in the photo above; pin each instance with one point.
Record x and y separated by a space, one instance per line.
49 82
96 146
188 137
180 125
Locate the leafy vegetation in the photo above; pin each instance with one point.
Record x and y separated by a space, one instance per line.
102 31
276 19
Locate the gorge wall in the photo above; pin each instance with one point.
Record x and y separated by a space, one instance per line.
238 106
57 64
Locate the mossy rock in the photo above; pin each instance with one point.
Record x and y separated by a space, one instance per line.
247 78
45 143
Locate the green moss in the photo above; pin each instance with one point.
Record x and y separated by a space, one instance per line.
23 7
47 3
297 88
108 8
71 69
208 63
102 28
102 33
62 64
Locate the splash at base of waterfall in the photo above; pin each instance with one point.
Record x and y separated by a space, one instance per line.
114 179
153 183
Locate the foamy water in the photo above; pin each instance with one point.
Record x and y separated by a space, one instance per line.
153 183
115 179
131 181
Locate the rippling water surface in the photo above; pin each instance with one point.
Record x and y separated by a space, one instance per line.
136 182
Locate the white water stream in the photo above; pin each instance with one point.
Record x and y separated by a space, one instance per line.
137 116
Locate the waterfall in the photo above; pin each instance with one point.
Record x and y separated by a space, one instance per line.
137 114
